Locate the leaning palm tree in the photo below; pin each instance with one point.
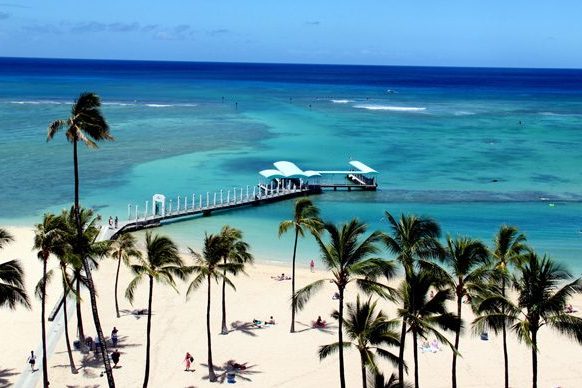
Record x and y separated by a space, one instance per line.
507 252
368 330
236 250
12 291
305 217
49 238
542 298
123 249
467 261
426 315
412 239
86 124
208 267
347 256
161 264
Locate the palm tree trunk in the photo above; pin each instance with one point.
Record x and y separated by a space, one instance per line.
363 360
415 345
504 331
87 269
293 301
80 330
116 282
224 329
457 337
401 355
67 340
43 324
534 358
146 376
211 374
341 339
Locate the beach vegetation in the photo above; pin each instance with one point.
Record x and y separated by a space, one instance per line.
305 218
12 290
123 249
378 380
369 331
348 256
161 264
86 124
210 267
236 250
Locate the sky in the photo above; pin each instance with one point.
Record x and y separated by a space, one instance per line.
489 33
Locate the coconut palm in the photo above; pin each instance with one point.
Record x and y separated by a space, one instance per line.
86 124
161 264
412 239
377 380
347 256
123 249
467 261
12 291
507 252
542 298
305 217
368 330
426 315
236 251
208 267
49 238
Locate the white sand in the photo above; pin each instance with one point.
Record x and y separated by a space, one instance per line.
276 357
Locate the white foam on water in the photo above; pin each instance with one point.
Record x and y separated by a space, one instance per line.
341 101
158 105
37 102
463 113
390 108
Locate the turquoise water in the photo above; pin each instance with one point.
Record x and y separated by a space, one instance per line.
473 148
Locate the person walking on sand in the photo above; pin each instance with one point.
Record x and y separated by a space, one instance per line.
188 361
115 357
32 360
312 265
116 221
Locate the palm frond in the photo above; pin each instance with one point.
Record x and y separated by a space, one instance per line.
326 350
303 295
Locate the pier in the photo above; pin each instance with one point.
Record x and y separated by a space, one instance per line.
284 182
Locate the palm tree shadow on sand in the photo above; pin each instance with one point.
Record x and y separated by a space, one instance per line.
247 328
4 375
231 367
328 329
136 313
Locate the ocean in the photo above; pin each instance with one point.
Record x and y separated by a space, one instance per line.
473 148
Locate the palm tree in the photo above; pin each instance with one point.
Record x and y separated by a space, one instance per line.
86 124
425 314
12 291
542 299
123 249
236 251
305 216
162 263
209 267
367 330
49 238
467 260
377 380
509 246
347 256
412 239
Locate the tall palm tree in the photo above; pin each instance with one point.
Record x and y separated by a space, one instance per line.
411 239
507 252
86 124
305 217
347 256
467 260
235 251
208 267
12 291
161 263
426 315
367 330
123 249
49 238
542 298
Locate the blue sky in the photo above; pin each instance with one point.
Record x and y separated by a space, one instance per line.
506 33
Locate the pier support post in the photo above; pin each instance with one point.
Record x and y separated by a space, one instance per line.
247 193
145 216
186 203
170 207
193 201
221 196
214 202
136 213
241 195
199 201
178 209
254 192
228 197
128 212
207 199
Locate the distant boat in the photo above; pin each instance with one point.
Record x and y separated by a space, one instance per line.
391 91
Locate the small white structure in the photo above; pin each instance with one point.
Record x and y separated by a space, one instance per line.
159 205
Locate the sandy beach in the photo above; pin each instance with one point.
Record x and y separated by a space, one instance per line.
273 356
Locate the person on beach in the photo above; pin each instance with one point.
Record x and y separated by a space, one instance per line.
312 265
110 222
115 357
116 221
188 361
32 360
114 336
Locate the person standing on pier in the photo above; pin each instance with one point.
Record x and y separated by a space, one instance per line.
116 222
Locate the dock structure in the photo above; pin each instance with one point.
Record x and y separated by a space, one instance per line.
284 182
